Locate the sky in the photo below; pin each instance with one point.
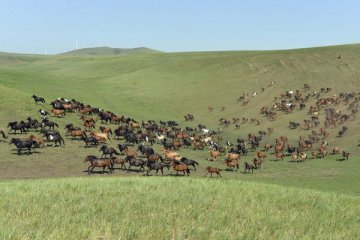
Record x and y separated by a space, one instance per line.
54 26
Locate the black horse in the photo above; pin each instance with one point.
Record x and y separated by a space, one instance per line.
189 162
56 138
15 126
145 151
122 147
108 151
156 166
49 124
90 141
136 163
22 144
38 99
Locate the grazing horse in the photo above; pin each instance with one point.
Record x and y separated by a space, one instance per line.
38 99
180 167
108 151
189 162
212 170
248 167
22 144
96 162
156 166
3 134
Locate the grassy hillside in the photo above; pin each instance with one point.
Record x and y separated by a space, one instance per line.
166 86
163 208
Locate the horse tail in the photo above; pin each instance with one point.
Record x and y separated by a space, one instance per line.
196 162
56 124
237 166
3 134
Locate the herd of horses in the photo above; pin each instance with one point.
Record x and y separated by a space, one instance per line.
168 134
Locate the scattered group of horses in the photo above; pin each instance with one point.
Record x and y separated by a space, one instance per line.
172 138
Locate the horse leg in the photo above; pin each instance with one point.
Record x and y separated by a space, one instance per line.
89 170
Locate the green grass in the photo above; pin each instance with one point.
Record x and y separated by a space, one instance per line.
166 208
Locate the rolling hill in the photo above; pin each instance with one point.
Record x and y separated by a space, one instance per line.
166 86
111 51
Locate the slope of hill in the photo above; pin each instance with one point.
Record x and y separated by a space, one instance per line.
167 86
112 51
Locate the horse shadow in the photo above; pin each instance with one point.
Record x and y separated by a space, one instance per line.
24 153
97 172
340 159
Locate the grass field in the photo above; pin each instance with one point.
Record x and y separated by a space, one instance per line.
166 208
317 199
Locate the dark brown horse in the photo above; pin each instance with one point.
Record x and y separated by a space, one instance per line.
212 170
98 162
248 167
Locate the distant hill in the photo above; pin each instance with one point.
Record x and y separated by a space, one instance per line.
112 51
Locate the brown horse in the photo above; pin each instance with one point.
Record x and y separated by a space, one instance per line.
130 153
180 167
39 141
261 155
89 125
336 150
232 165
77 133
98 162
58 112
257 163
214 155
170 155
279 155
212 170
120 161
154 157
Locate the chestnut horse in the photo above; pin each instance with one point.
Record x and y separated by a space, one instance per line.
212 170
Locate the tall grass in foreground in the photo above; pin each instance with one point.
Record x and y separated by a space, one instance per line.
171 208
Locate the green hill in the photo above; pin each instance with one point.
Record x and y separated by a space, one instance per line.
166 86
111 51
